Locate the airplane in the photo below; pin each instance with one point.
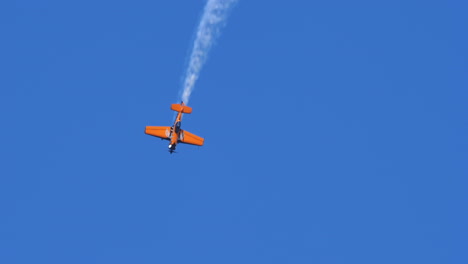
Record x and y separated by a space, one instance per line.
175 134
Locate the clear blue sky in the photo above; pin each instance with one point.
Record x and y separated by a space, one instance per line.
334 133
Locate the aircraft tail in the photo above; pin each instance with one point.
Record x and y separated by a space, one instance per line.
181 108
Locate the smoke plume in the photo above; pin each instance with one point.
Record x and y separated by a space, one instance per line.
211 22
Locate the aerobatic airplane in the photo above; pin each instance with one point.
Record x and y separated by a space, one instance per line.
174 134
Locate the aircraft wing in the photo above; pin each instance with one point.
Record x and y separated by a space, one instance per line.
160 132
189 138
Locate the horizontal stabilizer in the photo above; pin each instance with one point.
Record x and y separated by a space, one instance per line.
160 132
181 108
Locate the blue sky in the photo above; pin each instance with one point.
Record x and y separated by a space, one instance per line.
334 133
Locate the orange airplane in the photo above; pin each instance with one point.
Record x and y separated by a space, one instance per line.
174 134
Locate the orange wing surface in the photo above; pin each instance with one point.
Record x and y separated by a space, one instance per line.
189 138
160 132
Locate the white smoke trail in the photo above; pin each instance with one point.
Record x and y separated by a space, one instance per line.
212 20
